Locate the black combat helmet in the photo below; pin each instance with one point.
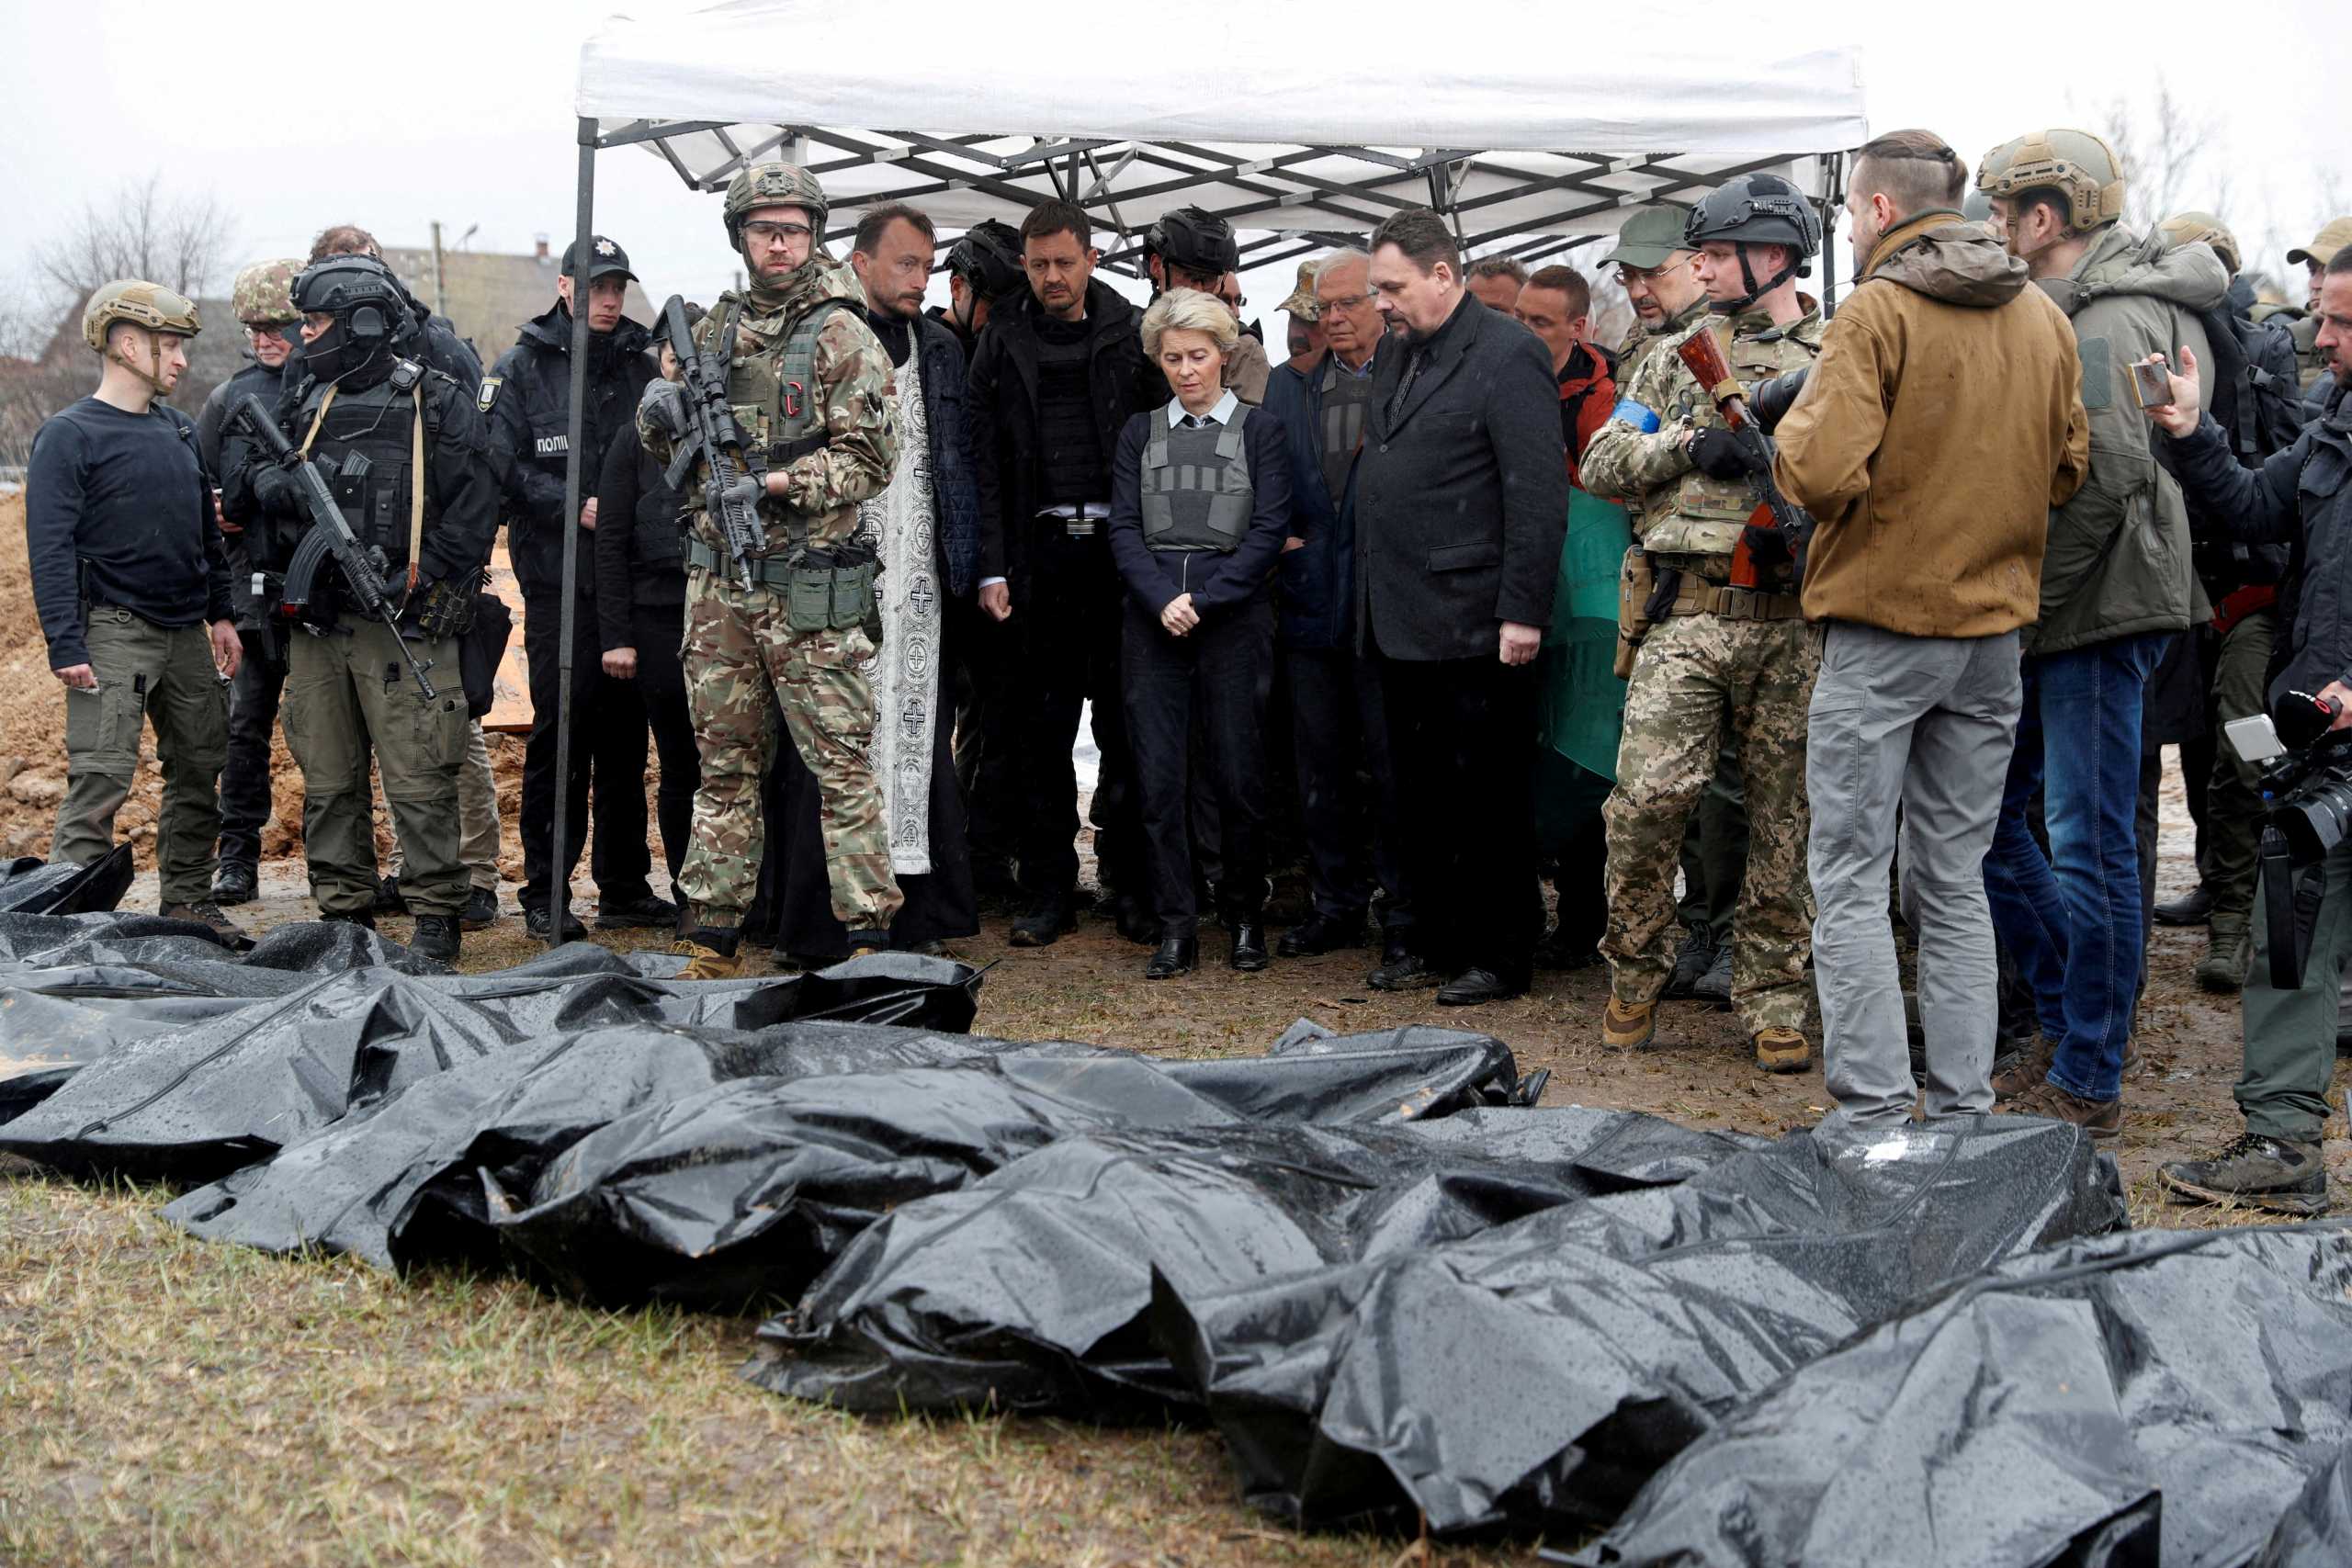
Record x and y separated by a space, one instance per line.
1196 240
988 258
370 309
1756 210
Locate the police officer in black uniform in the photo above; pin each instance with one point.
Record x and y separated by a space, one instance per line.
983 272
527 399
401 448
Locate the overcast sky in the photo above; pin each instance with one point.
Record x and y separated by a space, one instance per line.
298 116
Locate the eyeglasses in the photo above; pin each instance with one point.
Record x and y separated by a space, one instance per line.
769 233
1343 302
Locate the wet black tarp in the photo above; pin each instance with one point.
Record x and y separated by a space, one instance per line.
2173 1397
30 886
196 1062
1030 1289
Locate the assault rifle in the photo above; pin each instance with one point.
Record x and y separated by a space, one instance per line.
1765 551
738 477
330 535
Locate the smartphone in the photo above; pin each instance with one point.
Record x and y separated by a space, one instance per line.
2152 383
2254 739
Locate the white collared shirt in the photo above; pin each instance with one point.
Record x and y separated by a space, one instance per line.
1221 414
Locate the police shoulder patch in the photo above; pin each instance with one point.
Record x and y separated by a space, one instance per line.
489 393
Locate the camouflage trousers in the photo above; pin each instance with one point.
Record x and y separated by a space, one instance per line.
1694 676
740 663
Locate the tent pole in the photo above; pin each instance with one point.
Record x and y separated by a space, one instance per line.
575 483
1832 197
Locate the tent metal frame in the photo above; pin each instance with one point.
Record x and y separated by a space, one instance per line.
1086 171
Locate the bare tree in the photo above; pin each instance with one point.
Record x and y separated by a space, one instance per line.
139 230
2165 158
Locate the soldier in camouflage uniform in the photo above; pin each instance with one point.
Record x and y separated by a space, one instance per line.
1720 652
811 387
1654 266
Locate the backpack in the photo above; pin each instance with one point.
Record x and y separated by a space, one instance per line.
2258 395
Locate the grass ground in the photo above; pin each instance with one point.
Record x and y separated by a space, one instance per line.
165 1400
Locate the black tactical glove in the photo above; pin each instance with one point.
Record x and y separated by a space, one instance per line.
276 491
444 608
1716 453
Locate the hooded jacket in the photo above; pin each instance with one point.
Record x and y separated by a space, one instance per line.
2118 560
527 403
1942 357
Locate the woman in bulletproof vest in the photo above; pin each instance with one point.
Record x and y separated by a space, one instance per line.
1200 507
641 612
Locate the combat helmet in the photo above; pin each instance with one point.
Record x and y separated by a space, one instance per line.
988 258
1756 210
774 185
371 311
264 293
2078 165
142 304
2189 227
1195 239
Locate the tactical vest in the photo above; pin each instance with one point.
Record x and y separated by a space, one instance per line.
377 423
1196 490
773 395
1704 515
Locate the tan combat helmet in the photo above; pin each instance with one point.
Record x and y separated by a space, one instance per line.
264 293
2078 164
2189 227
149 305
774 185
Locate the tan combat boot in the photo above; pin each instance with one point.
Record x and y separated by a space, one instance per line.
1628 1027
1781 1051
705 960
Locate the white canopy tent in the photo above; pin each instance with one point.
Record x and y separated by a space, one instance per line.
1130 113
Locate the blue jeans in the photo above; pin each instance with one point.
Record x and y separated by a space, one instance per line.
2071 918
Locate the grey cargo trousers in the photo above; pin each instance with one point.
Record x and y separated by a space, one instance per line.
1926 724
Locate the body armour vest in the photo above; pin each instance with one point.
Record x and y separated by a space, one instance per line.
1070 455
379 424
1196 490
772 394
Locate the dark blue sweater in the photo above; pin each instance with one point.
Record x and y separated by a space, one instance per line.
123 498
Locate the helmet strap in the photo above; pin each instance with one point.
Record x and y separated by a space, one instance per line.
1748 275
155 354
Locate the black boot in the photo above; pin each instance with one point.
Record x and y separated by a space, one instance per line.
1248 945
437 937
1045 923
235 883
1175 955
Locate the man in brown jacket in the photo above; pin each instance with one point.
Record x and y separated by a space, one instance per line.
1942 423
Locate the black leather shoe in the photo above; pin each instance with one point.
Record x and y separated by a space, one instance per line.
1248 946
1044 925
636 911
2193 907
1401 970
1321 933
538 922
1135 921
235 883
1176 955
436 937
482 910
1473 986
387 896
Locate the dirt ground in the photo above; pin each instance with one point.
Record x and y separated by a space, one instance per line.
161 1400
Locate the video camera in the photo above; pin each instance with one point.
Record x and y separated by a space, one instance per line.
2306 784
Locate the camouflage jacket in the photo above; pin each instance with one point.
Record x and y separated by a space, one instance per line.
854 393
1677 509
